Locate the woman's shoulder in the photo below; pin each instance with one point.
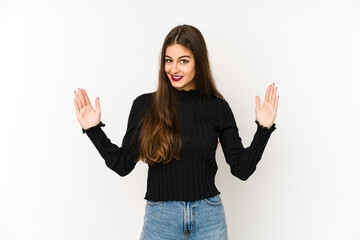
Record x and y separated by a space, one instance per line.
217 102
144 97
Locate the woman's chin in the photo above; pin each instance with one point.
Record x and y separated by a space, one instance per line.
176 85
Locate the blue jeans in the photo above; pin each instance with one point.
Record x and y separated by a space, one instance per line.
176 220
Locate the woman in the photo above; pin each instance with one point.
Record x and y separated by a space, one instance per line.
176 131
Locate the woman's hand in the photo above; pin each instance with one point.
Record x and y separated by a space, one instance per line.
266 115
85 113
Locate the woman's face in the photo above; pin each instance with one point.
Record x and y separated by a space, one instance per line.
180 67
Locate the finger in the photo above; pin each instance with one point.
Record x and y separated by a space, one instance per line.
87 100
276 104
271 97
274 97
257 103
81 96
267 94
78 100
77 110
97 104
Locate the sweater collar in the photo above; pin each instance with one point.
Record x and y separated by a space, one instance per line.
192 93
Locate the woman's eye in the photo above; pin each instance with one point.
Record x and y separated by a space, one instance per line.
169 60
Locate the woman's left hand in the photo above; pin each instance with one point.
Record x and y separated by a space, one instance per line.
266 115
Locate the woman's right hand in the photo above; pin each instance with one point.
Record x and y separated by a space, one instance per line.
86 115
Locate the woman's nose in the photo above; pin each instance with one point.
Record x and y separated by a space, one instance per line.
174 68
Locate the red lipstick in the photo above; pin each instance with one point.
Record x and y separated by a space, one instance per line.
176 79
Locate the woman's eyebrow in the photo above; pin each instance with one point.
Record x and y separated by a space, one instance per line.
179 57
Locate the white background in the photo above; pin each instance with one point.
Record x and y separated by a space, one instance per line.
55 185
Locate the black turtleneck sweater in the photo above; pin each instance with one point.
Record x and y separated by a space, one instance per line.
203 122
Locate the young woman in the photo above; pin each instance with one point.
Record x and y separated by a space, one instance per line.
176 131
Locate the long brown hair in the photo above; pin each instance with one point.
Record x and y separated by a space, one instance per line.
160 134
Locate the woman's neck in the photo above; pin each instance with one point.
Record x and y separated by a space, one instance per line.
191 93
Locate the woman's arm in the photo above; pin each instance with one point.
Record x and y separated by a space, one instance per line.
242 160
119 159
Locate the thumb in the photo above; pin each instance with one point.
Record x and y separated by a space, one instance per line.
257 103
97 104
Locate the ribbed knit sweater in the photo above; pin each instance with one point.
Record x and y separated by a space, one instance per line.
203 122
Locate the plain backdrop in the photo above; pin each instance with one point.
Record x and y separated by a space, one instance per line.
55 185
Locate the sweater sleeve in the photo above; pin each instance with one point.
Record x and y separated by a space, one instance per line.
119 159
242 160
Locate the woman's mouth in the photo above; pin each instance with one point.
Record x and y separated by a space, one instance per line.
176 78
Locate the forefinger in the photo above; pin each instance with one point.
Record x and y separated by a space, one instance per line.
81 97
267 94
87 100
